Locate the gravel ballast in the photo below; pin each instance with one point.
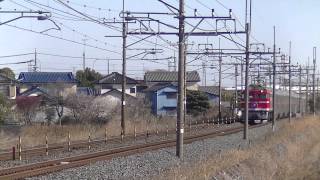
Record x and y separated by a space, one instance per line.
152 164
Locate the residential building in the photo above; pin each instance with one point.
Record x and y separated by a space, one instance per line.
212 92
7 86
114 81
60 83
154 77
88 91
163 98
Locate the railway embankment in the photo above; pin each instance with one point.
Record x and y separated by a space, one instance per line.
291 153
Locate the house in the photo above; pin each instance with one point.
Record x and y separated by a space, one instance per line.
62 83
212 92
154 77
114 96
7 86
88 91
114 81
163 98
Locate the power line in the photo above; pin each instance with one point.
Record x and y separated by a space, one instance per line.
92 7
16 55
21 62
64 39
101 23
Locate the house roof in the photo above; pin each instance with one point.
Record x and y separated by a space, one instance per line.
170 76
86 91
116 91
46 77
209 89
115 78
159 86
35 90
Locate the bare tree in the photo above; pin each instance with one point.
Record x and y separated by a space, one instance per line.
84 108
28 107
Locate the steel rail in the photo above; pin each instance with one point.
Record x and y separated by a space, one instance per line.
84 159
41 150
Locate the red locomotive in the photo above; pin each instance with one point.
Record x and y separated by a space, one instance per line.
260 104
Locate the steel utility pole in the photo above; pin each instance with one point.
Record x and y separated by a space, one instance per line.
307 90
124 54
274 80
300 89
35 61
181 82
236 90
246 95
314 80
290 82
220 78
108 66
241 76
317 87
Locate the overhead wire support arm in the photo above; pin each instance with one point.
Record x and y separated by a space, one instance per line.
169 6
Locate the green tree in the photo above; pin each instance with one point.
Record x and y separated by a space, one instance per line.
7 72
4 107
87 77
197 102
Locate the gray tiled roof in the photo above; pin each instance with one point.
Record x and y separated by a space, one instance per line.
159 86
115 78
46 77
170 76
210 89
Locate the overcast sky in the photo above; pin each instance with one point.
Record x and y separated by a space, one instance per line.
295 21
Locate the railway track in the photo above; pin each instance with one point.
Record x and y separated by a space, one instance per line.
46 167
41 150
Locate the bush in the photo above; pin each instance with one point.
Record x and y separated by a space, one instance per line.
4 108
197 103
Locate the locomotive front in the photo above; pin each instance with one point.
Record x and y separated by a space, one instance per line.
259 105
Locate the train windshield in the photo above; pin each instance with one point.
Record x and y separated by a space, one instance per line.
263 96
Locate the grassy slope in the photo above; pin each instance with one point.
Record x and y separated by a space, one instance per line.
291 153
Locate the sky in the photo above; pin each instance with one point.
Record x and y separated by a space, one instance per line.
295 21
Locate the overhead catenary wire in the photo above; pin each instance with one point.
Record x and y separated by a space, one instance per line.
64 39
16 55
85 19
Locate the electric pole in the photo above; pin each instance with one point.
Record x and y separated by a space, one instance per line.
236 90
314 80
35 61
307 90
220 78
108 60
274 80
300 70
290 82
124 54
181 82
246 95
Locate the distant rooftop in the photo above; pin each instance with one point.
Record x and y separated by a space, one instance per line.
210 89
170 76
115 78
46 77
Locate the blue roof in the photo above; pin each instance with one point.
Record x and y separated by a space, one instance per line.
46 77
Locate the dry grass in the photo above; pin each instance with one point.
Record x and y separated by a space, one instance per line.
277 156
35 135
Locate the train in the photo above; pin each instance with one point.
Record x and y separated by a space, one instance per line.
260 104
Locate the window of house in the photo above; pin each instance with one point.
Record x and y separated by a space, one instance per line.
132 90
171 95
